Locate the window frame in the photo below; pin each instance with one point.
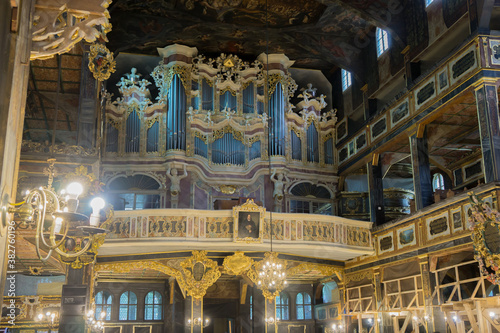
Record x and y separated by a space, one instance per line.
438 182
346 79
283 308
104 306
302 306
153 306
129 306
382 41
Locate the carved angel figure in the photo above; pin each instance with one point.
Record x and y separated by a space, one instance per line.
280 180
175 179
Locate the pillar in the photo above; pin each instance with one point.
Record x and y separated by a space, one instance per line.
88 104
412 69
422 182
244 321
15 46
378 299
74 300
369 104
376 190
270 310
427 290
194 313
489 130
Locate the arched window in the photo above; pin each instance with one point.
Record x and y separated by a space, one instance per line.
303 305
103 300
134 192
282 307
128 306
153 308
382 41
310 199
437 182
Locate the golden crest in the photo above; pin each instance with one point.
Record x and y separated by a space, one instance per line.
198 274
229 62
237 264
101 62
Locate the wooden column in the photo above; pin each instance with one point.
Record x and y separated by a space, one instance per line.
88 103
15 46
270 310
422 182
489 130
74 300
376 191
377 285
194 313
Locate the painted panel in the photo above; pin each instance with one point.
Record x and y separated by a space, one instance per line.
437 226
406 236
400 112
463 64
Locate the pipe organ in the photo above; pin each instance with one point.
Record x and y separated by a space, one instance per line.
223 112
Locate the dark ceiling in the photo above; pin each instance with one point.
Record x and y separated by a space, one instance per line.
323 34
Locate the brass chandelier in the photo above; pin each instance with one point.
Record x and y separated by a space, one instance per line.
59 228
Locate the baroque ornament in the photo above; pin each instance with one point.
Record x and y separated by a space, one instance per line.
101 62
58 25
198 274
237 264
485 226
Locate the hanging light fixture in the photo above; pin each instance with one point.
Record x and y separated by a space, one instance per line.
198 322
59 228
95 326
271 271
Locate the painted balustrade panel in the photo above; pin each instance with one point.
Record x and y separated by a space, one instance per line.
199 224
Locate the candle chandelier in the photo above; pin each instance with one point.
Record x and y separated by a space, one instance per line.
59 227
198 322
271 274
95 326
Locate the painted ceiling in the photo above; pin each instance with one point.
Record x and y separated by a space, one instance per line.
323 34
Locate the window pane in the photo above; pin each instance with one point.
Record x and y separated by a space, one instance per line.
285 313
300 312
148 312
149 298
133 298
307 298
300 298
132 312
98 298
124 298
123 312
307 310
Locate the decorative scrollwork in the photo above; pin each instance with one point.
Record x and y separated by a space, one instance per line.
484 222
59 25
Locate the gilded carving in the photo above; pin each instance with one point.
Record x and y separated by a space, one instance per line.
101 62
198 274
59 25
237 264
484 222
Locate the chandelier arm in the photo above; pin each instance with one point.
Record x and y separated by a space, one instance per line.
43 194
52 237
39 221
